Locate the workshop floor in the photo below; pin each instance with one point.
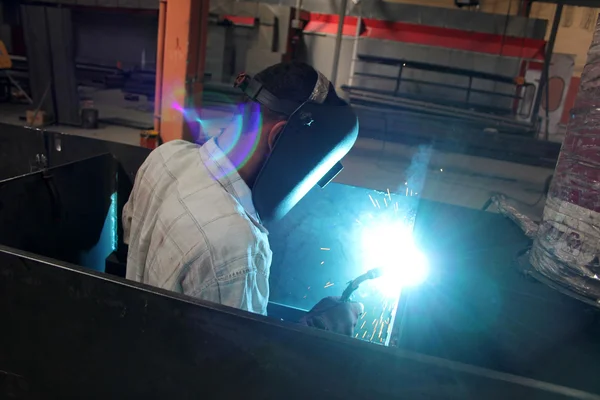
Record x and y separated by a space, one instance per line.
451 178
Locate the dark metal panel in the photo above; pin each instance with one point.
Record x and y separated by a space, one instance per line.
71 334
62 212
67 148
479 309
18 150
61 41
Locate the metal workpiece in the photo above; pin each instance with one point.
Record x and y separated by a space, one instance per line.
473 307
67 331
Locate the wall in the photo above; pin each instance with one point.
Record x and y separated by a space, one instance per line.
107 37
574 35
575 32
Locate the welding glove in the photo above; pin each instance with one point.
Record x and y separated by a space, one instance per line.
332 314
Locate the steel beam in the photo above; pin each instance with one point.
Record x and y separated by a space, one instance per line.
180 63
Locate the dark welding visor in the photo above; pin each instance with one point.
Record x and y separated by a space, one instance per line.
317 135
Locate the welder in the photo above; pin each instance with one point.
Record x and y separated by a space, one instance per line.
195 219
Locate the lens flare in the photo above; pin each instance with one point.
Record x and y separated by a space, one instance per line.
239 127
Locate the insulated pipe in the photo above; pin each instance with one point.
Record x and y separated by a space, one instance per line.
338 43
567 246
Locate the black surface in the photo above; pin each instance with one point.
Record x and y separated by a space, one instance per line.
478 308
61 212
475 308
70 334
18 148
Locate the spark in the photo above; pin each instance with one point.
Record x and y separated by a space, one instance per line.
322 262
405 183
377 201
441 169
304 297
372 336
385 201
364 314
364 334
389 194
325 248
411 192
356 335
406 192
309 288
363 324
372 201
329 284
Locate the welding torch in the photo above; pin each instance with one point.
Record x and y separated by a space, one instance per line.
353 285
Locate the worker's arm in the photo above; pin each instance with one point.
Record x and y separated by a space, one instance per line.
335 315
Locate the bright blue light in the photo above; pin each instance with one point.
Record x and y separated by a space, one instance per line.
388 244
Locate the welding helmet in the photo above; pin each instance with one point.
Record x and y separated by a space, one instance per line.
307 152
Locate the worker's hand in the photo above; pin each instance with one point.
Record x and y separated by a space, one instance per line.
334 315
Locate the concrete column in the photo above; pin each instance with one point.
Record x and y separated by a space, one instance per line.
567 247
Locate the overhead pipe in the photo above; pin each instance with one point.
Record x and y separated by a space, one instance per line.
567 246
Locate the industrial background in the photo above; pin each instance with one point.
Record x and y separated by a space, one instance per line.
477 116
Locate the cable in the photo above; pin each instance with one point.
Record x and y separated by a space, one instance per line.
544 194
353 285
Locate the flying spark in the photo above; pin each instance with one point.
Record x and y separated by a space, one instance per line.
325 248
372 201
328 285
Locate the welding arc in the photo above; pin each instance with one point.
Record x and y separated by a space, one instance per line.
353 285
